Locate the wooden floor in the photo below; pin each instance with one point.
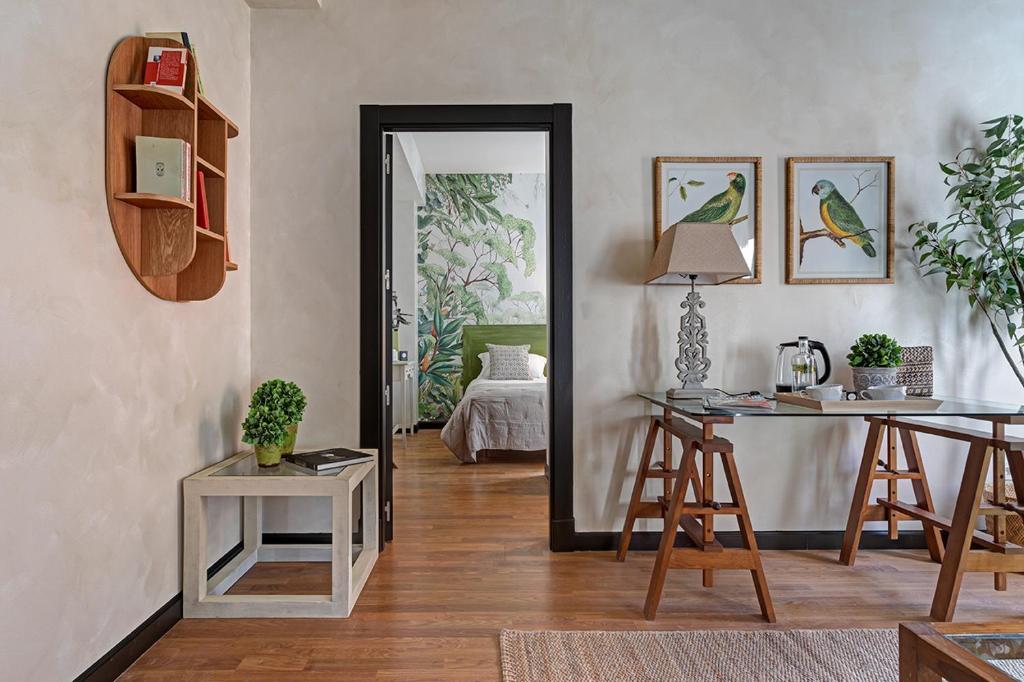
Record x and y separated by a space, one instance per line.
470 558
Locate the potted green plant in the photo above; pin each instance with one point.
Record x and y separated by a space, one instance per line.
979 247
874 359
265 428
287 397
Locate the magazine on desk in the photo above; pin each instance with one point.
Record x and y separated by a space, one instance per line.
327 461
751 403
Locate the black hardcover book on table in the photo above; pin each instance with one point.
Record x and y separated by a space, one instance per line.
327 460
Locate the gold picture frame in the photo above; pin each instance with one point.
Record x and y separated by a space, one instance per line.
798 237
661 194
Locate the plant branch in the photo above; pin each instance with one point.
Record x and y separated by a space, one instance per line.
823 232
999 340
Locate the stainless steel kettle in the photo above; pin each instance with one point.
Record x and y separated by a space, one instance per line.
797 368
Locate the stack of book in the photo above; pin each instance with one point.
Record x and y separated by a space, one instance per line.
163 165
327 461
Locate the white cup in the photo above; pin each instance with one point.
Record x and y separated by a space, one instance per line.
884 393
823 392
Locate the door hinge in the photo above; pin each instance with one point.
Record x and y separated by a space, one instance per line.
387 511
387 280
387 164
387 396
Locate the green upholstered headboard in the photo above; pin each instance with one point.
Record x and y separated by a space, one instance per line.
475 338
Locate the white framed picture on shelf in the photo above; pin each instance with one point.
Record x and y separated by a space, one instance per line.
712 189
840 221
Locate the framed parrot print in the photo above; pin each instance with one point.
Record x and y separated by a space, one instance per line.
840 226
712 189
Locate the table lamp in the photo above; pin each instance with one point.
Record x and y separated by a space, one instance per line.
695 253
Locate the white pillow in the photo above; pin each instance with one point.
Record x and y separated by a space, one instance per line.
538 363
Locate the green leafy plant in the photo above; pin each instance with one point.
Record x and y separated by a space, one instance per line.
264 425
281 395
875 350
979 248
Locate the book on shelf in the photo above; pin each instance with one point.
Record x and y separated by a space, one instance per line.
163 165
166 67
202 210
329 460
182 37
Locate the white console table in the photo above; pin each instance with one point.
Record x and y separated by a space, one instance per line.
403 381
239 476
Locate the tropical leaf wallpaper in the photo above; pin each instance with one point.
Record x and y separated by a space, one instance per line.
481 256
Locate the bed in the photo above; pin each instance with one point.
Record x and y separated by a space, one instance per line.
498 415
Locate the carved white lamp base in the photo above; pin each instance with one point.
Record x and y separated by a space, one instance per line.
692 363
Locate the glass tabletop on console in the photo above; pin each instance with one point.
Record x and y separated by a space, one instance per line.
244 465
949 407
247 466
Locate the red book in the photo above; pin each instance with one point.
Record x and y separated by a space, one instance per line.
165 68
202 212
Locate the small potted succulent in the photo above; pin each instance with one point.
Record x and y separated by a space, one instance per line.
289 399
265 428
874 359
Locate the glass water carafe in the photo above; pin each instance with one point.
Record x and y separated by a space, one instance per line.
803 365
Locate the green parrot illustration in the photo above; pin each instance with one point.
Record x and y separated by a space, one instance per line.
722 207
840 218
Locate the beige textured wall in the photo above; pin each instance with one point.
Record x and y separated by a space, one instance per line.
111 396
791 77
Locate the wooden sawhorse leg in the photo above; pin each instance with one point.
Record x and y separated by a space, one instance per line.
992 554
961 532
638 508
697 521
873 469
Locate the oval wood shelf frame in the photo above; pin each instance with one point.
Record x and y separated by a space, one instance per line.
158 236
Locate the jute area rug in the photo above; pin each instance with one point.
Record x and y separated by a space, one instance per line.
726 655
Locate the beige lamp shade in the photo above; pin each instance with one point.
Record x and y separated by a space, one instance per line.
707 251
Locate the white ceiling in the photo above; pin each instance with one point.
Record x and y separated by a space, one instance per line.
483 152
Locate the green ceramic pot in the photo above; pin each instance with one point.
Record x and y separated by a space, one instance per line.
289 440
268 455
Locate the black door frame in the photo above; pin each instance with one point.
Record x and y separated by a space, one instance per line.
374 349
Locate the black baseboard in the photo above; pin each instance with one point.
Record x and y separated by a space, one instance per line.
769 539
129 649
431 425
300 538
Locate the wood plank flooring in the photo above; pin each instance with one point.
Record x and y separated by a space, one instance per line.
471 558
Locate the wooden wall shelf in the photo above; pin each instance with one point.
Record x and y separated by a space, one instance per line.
167 251
150 97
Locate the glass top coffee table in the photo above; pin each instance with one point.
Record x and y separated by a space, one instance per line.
962 651
240 476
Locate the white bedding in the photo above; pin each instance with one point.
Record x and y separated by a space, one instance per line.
498 415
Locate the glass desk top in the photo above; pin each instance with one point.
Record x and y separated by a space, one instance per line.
950 407
1004 650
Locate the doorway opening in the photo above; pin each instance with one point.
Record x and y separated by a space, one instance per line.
473 241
